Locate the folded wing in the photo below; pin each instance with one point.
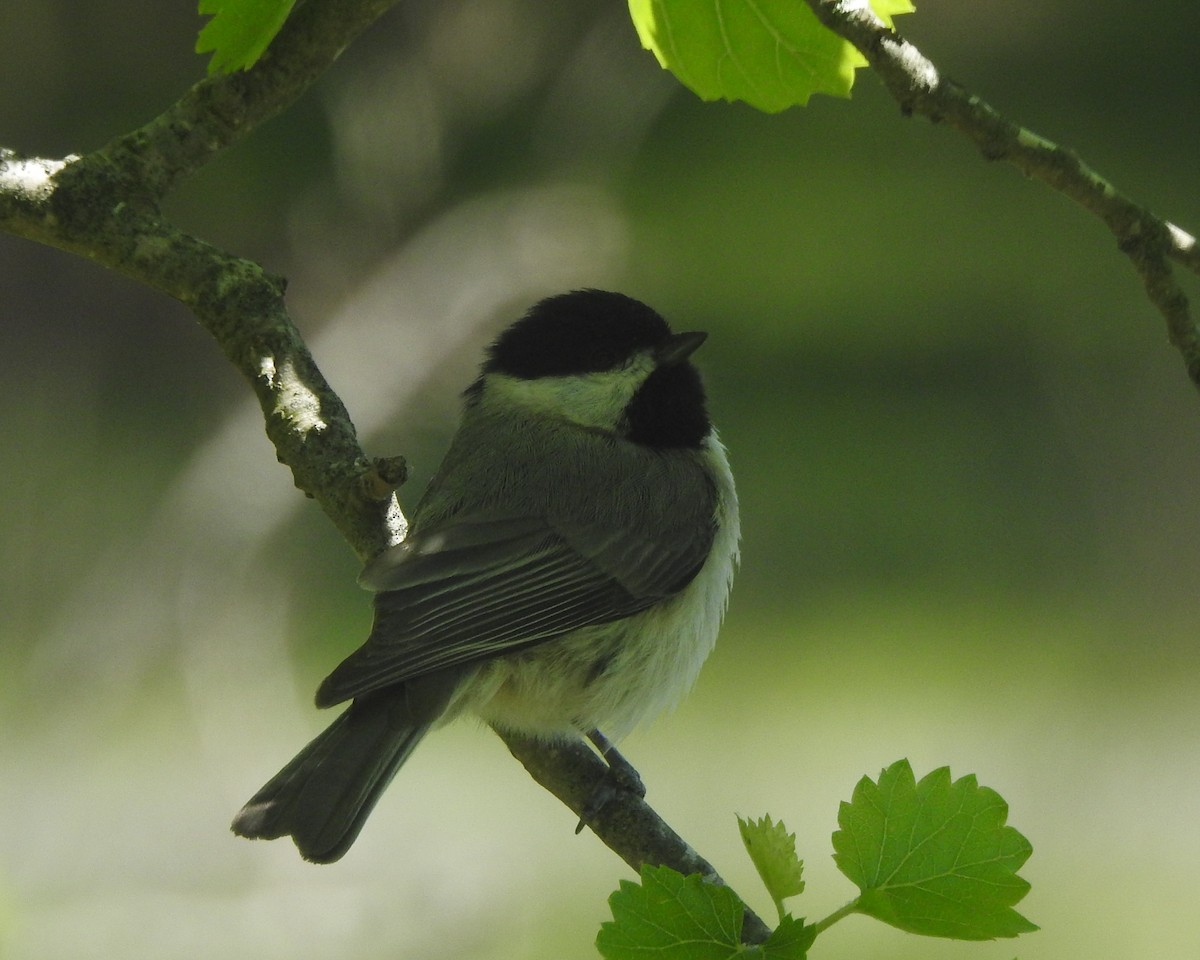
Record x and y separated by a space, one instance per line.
484 585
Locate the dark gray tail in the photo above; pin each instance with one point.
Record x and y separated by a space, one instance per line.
323 797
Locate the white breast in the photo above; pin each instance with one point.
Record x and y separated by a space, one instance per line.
553 690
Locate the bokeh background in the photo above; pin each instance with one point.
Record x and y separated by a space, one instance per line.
968 461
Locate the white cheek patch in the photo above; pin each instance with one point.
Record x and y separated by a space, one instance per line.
595 400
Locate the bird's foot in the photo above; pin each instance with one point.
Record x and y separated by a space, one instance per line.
621 778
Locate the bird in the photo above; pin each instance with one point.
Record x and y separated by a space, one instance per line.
565 574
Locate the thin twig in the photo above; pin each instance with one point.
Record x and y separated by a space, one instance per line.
918 86
627 824
104 206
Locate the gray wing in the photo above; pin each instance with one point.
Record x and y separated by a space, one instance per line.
479 586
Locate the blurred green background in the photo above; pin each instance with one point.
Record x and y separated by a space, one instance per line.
967 457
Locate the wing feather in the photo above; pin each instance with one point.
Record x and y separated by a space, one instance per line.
480 586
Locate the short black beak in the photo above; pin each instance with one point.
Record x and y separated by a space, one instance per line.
678 348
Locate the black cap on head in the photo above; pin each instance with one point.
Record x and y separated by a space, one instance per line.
590 331
584 331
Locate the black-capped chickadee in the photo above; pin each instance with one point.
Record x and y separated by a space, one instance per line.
566 571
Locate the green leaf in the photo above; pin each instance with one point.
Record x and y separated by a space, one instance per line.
773 851
773 54
671 917
789 941
933 857
239 31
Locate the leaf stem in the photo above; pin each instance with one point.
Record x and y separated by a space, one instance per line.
779 907
822 925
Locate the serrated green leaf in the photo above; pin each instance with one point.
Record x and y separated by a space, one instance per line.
789 941
671 917
773 852
933 857
239 31
773 54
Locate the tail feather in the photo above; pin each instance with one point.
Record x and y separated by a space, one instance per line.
323 796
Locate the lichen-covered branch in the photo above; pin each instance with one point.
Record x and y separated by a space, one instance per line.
1150 242
105 206
627 825
236 300
221 110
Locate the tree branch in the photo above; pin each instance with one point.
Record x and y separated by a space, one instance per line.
237 302
104 206
627 824
1148 241
221 110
